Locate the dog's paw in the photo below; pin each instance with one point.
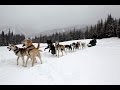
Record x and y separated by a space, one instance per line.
23 65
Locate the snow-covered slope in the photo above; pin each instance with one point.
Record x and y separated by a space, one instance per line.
94 65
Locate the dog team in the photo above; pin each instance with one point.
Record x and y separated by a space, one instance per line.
29 50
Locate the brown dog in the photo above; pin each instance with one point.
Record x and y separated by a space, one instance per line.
32 51
59 48
76 46
20 52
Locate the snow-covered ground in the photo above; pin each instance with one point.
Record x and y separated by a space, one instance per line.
99 65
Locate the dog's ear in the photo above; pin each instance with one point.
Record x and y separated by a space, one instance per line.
9 44
16 47
23 45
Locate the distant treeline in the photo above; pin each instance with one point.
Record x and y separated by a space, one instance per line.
10 38
103 29
109 28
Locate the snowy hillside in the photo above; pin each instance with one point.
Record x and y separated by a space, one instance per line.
61 30
94 65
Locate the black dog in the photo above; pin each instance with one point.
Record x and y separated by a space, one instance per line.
51 47
68 47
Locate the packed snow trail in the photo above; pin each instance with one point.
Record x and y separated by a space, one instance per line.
96 65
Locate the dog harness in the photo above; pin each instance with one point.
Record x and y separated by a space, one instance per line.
29 49
16 50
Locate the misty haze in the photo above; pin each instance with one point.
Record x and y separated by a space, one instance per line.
31 20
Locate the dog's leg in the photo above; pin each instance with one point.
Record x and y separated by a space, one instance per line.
70 47
39 56
26 61
62 52
17 60
65 52
33 58
73 48
49 50
46 48
82 46
66 49
23 61
58 52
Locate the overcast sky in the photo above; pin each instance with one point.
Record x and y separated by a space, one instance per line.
46 17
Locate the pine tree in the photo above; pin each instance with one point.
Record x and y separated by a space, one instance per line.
110 26
86 33
3 38
118 29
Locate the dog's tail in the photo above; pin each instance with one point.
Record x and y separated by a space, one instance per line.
38 46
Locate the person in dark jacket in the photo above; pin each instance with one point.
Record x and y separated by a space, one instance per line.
49 42
92 42
51 47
